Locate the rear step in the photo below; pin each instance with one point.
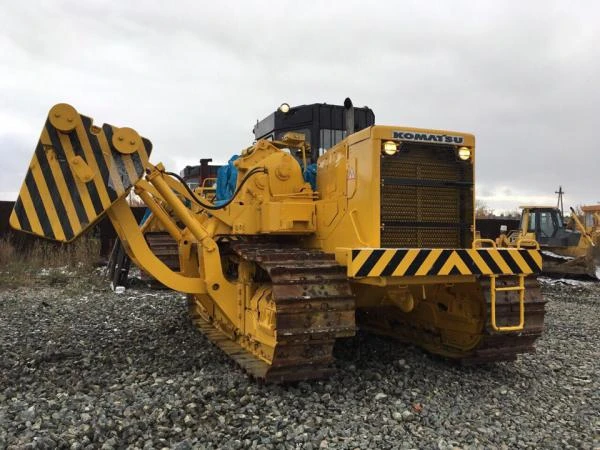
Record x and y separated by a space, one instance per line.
521 289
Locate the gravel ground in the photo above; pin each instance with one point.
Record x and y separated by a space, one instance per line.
83 367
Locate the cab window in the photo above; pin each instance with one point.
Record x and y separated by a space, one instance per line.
548 223
532 223
328 138
589 220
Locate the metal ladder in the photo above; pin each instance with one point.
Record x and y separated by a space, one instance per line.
521 289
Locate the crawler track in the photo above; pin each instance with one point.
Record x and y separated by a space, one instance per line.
489 345
167 250
314 305
495 346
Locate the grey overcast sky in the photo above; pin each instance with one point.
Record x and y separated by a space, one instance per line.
195 76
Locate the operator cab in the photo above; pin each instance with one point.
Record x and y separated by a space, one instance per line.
548 226
591 217
322 125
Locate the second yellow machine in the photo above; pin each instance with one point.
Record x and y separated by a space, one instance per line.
280 270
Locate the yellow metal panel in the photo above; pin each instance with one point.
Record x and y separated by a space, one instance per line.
536 255
520 261
454 262
47 200
351 167
81 190
360 259
287 217
115 177
129 167
62 186
29 212
498 260
435 136
406 262
479 262
381 262
90 158
428 263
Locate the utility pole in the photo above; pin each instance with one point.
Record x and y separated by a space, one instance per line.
559 204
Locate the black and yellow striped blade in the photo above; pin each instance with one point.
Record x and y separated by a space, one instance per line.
401 262
76 174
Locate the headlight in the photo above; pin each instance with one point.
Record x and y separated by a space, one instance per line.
464 153
284 108
390 148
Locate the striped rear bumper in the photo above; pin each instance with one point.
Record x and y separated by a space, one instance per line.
402 262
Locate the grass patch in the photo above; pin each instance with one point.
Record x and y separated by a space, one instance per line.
46 262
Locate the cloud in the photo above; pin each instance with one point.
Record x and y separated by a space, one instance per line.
504 199
194 77
16 155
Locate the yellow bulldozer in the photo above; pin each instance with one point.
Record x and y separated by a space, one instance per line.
590 221
276 273
569 248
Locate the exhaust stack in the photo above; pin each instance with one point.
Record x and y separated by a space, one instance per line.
349 107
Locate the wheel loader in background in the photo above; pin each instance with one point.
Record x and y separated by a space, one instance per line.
280 270
568 249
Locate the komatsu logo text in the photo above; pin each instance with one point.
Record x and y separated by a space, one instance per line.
428 137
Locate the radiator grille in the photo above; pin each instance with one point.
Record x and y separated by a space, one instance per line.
411 203
398 237
426 198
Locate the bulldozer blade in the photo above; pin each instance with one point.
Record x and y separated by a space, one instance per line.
585 266
595 251
78 171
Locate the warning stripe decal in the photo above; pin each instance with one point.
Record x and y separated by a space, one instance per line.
54 201
375 262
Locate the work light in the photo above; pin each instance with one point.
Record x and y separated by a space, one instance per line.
464 153
390 148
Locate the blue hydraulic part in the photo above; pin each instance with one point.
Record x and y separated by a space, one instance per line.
147 213
310 175
226 181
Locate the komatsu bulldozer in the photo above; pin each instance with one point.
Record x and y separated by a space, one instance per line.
568 249
280 270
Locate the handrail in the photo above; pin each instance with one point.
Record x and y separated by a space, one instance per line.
528 242
210 179
521 289
481 241
355 226
581 227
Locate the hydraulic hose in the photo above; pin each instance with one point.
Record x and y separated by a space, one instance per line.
214 207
